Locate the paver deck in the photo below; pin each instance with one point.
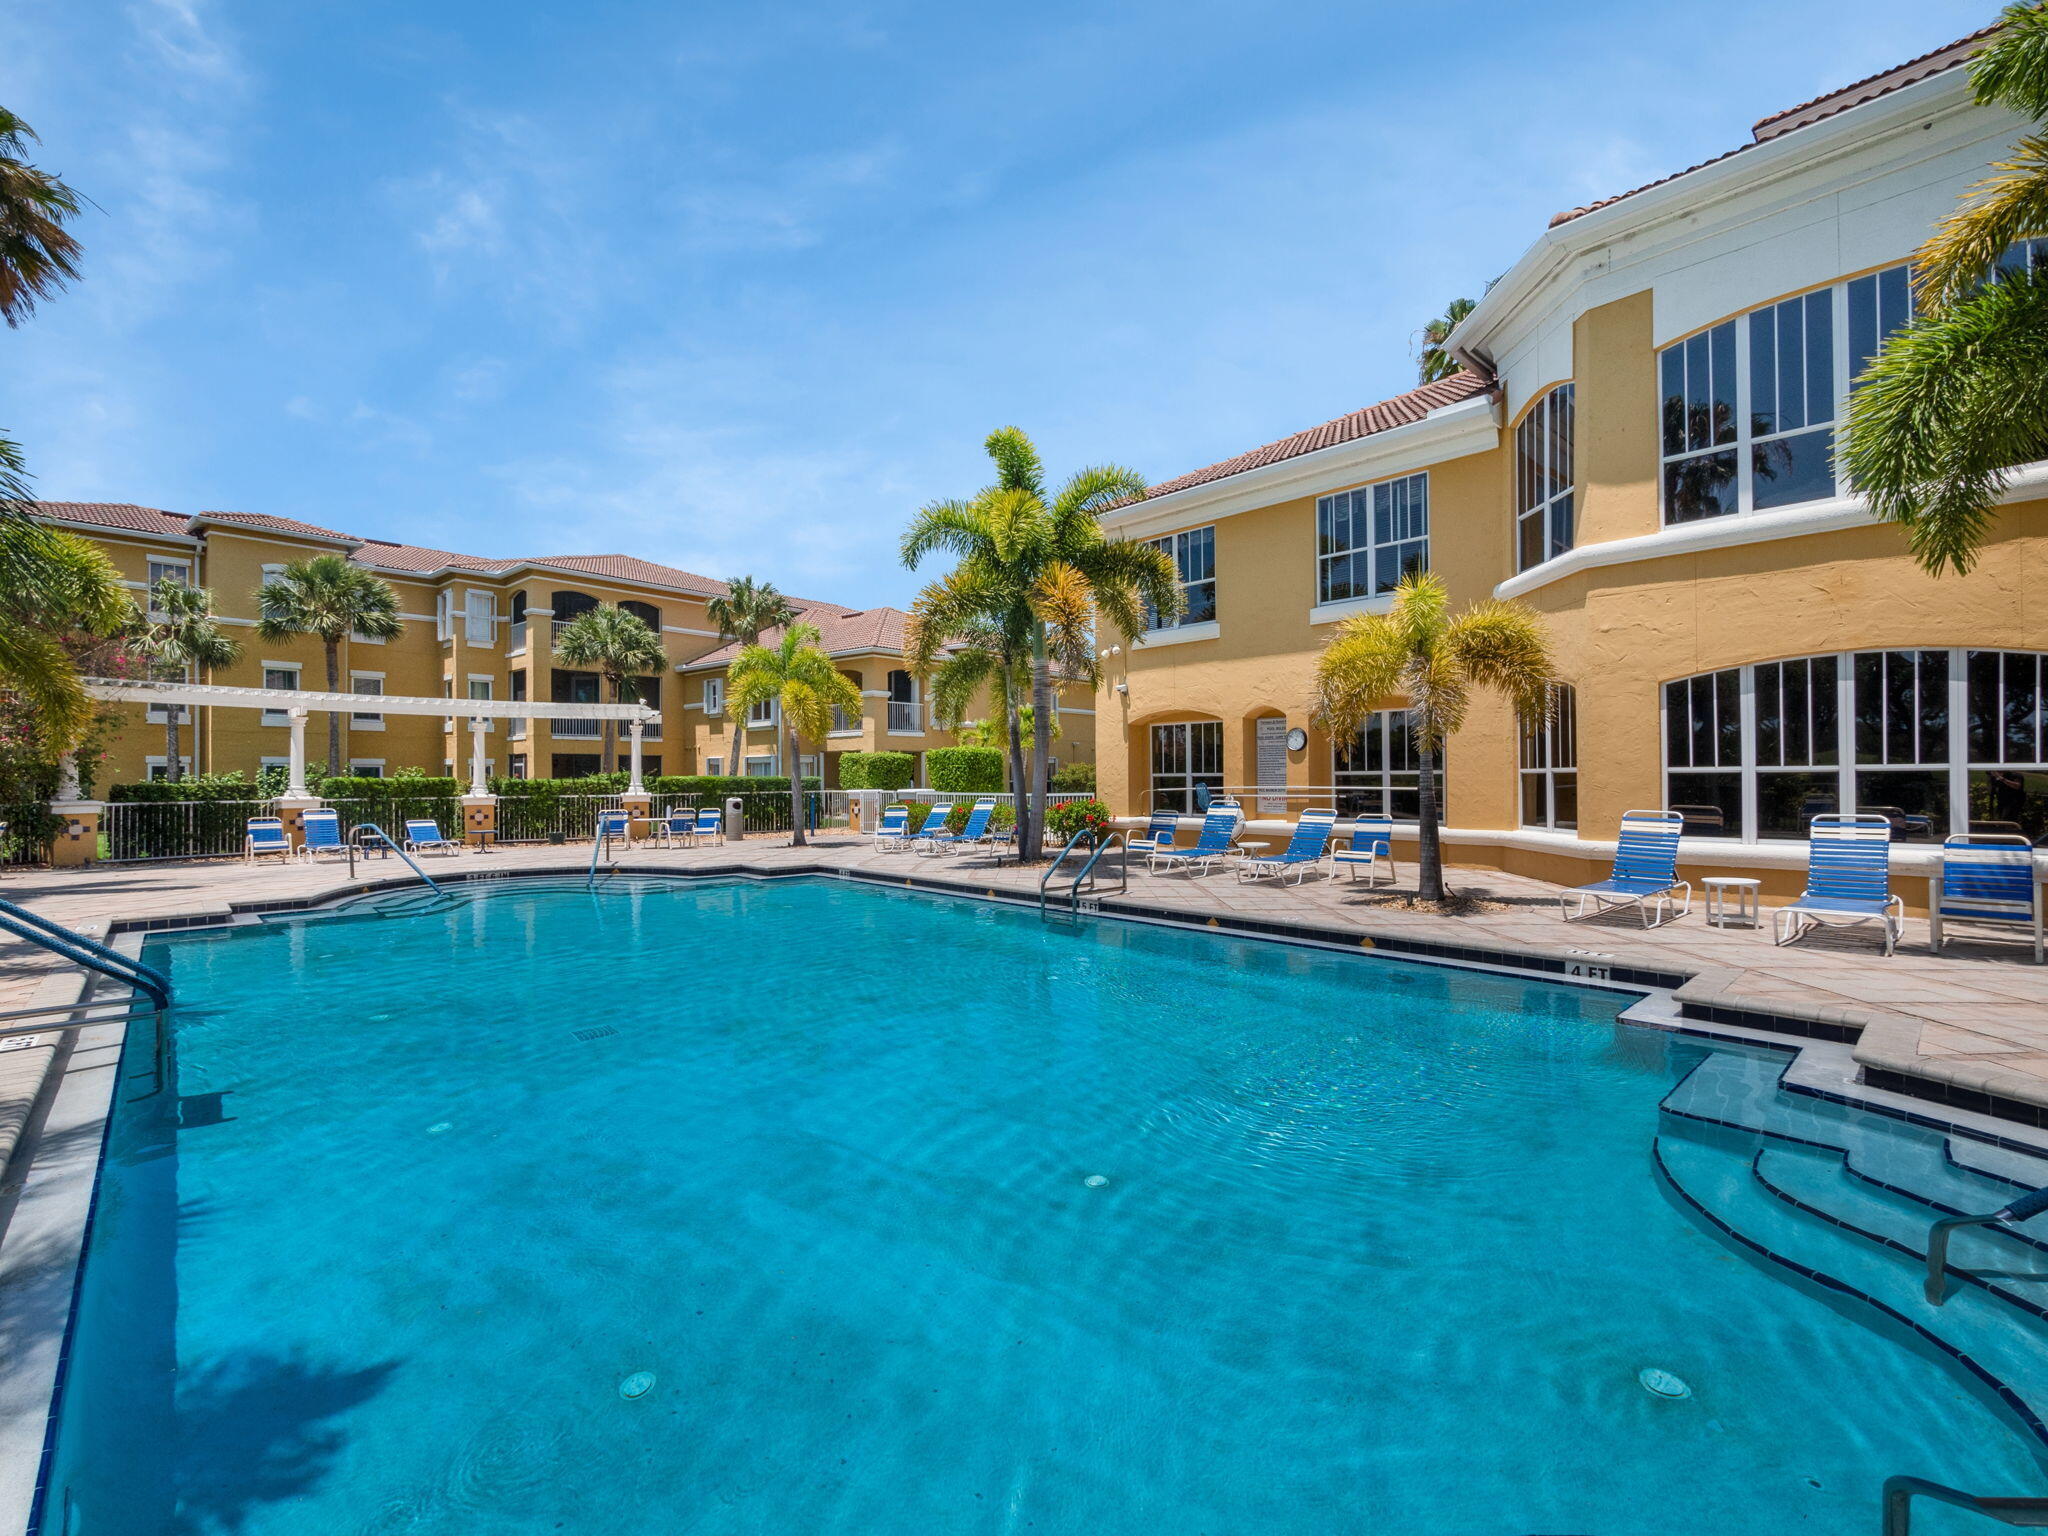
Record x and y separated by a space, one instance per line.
1967 1025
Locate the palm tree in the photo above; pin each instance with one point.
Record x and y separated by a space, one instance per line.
957 668
1038 570
1435 361
1420 652
37 257
800 679
1959 396
330 599
52 587
747 611
180 636
618 645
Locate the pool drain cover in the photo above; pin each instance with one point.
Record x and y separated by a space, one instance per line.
596 1034
1662 1383
639 1384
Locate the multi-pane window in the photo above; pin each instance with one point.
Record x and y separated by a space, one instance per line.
714 695
161 571
1368 539
279 677
1193 553
761 712
1544 479
903 703
271 573
1748 407
1937 741
479 617
366 682
1550 764
1378 772
1186 756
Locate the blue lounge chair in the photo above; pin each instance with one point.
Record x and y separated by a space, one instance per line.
1645 872
614 824
323 836
1987 877
1304 850
1371 849
425 837
710 825
1217 843
678 829
1159 833
1848 880
265 834
894 828
933 825
974 831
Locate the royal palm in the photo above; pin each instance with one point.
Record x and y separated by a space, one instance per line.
1421 655
616 645
1034 567
747 611
800 680
181 636
329 599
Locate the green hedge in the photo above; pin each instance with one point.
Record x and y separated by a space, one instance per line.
1075 776
964 770
724 784
202 786
1003 818
877 770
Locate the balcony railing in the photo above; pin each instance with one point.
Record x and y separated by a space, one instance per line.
515 637
581 730
905 717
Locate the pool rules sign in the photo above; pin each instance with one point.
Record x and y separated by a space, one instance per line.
1272 765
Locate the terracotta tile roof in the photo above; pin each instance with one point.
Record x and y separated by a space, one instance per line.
265 523
1396 412
629 568
839 630
114 514
413 557
1870 88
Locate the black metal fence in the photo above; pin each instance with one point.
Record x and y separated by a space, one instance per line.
389 813
178 829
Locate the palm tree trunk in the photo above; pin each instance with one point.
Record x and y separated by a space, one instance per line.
793 766
1429 861
171 744
1016 724
333 715
611 732
1030 845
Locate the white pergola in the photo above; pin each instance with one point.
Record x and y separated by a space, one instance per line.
296 704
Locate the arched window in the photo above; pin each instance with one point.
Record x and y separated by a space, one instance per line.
1550 764
1186 756
1938 741
903 703
646 613
1377 771
567 606
1544 479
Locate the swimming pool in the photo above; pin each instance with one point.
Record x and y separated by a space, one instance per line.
925 1215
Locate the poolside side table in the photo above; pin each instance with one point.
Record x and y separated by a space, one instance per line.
1745 891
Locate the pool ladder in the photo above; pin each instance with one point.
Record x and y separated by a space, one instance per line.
1938 1236
1899 1493
370 832
1085 879
69 944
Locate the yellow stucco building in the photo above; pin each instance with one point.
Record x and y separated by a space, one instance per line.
1642 447
483 629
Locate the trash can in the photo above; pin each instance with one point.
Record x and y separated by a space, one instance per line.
735 818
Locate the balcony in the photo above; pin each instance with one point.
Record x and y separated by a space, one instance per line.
846 725
906 718
578 730
515 638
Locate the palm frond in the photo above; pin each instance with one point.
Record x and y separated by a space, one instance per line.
329 598
2013 71
1502 645
953 526
1091 492
38 256
1967 244
1359 671
1016 460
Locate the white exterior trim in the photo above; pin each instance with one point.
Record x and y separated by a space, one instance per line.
1727 532
1448 432
1179 634
1330 613
137 691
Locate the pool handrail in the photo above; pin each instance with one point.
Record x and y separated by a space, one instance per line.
114 964
90 954
1899 1493
2018 1209
374 833
1084 879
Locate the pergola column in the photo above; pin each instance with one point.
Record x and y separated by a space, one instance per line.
296 787
478 763
636 802
633 784
79 841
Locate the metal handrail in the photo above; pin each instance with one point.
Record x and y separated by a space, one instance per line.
149 978
1899 1493
1938 1236
1084 878
376 833
601 839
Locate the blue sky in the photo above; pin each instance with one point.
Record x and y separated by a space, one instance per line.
739 286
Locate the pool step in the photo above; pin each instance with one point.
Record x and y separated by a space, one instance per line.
1715 1174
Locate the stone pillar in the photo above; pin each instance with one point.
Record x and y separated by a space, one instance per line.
77 842
479 814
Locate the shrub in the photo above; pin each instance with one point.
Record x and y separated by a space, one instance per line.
200 786
918 812
1004 818
965 770
1070 816
1075 776
877 770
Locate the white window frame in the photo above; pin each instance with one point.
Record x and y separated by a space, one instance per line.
1181 784
714 695
356 765
155 571
1379 582
280 716
1182 548
365 722
444 615
714 767
479 616
763 712
767 765
1745 441
1384 782
158 766
1549 753
160 714
1546 478
271 571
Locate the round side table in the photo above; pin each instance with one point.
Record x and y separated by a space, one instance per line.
1743 914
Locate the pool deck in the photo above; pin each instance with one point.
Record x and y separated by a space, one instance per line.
1967 1028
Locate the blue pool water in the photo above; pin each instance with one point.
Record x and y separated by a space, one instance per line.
925 1216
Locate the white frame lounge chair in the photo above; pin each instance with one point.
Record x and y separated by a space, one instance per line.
1848 880
433 842
1305 850
974 832
265 834
1645 872
933 825
1218 842
894 826
328 843
1371 846
1160 831
1987 877
678 829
